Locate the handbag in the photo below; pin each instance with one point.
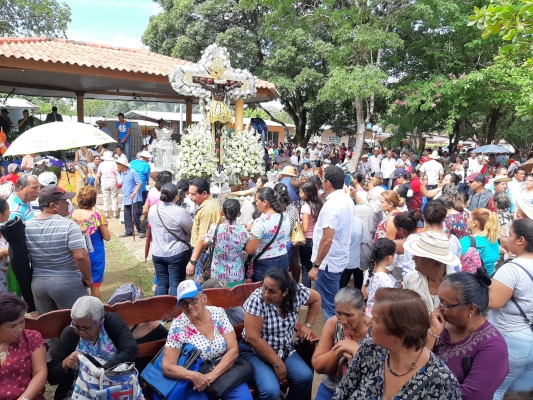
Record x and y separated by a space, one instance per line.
203 272
297 234
528 321
250 261
240 372
94 382
159 384
172 233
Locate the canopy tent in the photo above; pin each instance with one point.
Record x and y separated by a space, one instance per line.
66 68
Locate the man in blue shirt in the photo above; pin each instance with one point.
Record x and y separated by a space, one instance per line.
123 134
131 190
285 177
142 168
26 190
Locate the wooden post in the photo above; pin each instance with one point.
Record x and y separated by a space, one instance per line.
239 114
188 112
79 104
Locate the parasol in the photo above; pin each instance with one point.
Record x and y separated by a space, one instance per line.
492 149
528 165
57 136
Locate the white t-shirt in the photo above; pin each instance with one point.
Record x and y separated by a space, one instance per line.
432 169
378 280
388 167
313 154
473 166
508 319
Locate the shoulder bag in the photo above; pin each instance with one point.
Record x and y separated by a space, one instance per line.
240 372
513 300
203 273
250 261
172 233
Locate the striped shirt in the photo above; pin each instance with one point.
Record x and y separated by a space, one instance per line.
50 244
175 218
18 208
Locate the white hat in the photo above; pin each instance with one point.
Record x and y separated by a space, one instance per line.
288 170
145 154
434 155
526 208
188 289
108 156
47 178
123 161
434 245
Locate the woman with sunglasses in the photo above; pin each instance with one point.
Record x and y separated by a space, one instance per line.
209 330
102 335
460 335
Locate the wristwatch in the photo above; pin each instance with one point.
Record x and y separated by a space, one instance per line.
308 324
315 266
193 262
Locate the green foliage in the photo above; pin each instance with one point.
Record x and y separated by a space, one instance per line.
34 18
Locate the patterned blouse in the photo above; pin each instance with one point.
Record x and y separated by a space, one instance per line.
381 229
183 331
264 228
103 350
16 372
91 224
456 224
227 260
364 378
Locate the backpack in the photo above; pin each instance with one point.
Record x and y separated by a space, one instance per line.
471 260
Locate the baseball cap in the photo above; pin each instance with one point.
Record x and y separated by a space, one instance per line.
476 177
47 178
188 289
53 193
399 172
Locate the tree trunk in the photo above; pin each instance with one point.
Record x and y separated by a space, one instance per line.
272 118
493 122
361 127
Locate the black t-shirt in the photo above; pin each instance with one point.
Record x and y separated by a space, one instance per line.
403 191
4 123
25 126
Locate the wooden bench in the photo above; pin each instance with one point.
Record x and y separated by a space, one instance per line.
158 308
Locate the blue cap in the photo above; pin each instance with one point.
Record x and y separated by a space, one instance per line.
188 289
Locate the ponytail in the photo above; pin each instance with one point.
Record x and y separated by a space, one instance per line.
383 248
488 223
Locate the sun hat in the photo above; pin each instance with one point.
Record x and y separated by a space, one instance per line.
39 160
13 168
47 178
53 193
476 177
434 155
123 161
288 170
526 207
145 154
108 156
188 289
501 178
434 245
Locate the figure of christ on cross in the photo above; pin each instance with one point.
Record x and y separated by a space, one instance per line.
219 112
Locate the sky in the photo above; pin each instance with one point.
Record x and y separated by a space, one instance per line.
117 22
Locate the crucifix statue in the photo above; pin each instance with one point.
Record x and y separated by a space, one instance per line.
215 83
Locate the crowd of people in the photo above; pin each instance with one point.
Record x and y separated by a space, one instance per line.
421 267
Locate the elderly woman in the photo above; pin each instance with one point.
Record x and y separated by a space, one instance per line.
171 228
270 315
104 336
209 329
93 225
431 253
22 353
461 336
395 364
509 301
339 340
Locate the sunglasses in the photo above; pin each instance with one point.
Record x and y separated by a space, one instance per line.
86 330
190 302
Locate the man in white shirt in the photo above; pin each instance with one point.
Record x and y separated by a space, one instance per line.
313 155
297 160
332 238
473 164
433 169
388 165
375 160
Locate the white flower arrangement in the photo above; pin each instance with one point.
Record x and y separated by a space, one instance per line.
243 154
197 157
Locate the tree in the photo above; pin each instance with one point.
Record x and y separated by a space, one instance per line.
34 18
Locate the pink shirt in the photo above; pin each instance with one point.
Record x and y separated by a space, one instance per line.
312 221
109 173
16 372
154 197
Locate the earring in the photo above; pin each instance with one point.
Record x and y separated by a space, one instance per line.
470 315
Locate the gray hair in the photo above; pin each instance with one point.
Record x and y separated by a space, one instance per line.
87 307
502 201
350 296
23 181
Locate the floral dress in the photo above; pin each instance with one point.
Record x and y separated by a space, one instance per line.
364 378
227 261
183 331
381 229
456 224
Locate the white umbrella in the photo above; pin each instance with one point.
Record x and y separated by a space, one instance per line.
57 136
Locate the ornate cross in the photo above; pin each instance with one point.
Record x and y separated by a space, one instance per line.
215 83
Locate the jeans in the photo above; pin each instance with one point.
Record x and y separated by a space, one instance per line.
357 278
327 285
262 266
90 180
298 373
128 223
520 377
170 272
324 393
305 257
126 146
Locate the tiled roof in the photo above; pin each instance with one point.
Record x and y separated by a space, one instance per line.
93 55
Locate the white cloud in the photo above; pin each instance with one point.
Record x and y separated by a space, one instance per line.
148 5
103 38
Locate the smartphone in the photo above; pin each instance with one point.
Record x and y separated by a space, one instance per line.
348 180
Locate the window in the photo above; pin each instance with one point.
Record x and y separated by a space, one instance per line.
272 136
351 141
334 140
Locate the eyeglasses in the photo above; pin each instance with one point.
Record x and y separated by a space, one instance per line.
86 330
448 306
190 302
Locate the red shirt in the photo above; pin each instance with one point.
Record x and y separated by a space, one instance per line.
10 177
16 372
424 159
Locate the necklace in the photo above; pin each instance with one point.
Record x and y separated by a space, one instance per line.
413 366
3 355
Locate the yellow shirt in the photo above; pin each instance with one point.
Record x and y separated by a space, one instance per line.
208 213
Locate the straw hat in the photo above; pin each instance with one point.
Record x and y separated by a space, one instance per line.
145 154
434 155
432 245
108 156
526 207
501 178
123 161
288 170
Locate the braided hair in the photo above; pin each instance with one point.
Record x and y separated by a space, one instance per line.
383 248
231 209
